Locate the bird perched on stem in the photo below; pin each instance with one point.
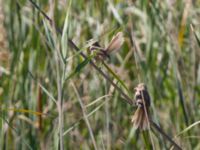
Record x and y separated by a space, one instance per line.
141 117
114 45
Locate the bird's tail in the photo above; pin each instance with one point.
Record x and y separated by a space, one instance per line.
141 119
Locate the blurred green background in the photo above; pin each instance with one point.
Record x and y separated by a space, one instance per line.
41 73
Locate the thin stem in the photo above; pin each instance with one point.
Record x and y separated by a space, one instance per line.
133 42
147 116
165 135
85 116
59 104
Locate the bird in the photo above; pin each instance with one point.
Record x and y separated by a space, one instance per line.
141 116
114 46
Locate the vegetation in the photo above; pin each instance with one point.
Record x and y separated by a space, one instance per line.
53 97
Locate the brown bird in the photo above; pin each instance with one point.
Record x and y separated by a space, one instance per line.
141 117
114 45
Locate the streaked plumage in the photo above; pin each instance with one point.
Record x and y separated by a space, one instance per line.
141 117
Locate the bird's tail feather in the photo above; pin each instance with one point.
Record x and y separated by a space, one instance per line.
140 119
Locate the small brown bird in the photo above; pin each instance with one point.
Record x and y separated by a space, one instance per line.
114 45
141 117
